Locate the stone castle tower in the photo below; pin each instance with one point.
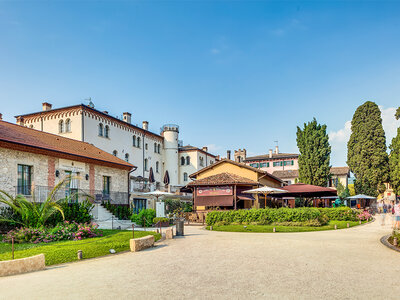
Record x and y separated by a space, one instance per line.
240 155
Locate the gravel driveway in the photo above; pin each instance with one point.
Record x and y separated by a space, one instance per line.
342 264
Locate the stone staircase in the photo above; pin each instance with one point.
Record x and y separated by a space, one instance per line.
107 220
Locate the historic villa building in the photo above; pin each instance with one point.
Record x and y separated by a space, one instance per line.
286 166
148 151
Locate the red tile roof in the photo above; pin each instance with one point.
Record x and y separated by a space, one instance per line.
223 179
35 141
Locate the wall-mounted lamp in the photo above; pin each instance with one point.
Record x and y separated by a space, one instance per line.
87 176
57 173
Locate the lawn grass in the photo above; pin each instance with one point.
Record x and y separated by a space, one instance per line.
269 228
66 251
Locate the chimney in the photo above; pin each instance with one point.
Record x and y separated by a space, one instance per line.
1 117
20 121
205 149
270 153
228 154
46 106
145 125
127 117
276 150
218 158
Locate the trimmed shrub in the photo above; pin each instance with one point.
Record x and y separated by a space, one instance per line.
145 217
121 211
308 216
160 219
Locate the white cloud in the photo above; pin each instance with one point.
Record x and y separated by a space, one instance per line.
338 139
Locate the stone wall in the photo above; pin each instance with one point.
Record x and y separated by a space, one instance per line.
22 265
44 172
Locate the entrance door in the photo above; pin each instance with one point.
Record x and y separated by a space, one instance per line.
138 204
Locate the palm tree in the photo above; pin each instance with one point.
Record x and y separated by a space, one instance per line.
32 214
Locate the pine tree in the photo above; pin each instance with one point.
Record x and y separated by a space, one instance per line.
394 159
315 151
366 150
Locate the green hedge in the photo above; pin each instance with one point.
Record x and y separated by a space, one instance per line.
280 215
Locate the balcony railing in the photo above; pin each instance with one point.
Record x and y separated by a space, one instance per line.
41 193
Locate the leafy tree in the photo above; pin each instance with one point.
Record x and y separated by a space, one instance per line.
345 193
315 151
339 188
366 150
351 189
394 159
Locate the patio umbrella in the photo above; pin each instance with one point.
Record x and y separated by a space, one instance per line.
157 194
166 178
361 197
151 176
265 190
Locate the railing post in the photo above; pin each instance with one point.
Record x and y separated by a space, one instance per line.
12 247
133 230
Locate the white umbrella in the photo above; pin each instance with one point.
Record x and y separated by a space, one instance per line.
265 190
361 196
157 194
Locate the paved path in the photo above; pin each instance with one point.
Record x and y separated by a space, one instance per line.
342 264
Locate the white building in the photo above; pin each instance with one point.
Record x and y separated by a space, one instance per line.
137 145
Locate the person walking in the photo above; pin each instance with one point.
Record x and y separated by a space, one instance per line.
397 216
392 210
383 213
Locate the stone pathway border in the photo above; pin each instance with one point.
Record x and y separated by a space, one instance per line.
385 240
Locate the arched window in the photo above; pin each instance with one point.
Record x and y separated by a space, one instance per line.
145 164
157 167
115 152
68 125
158 148
61 126
185 177
155 147
100 129
182 161
134 141
107 131
188 160
138 142
126 157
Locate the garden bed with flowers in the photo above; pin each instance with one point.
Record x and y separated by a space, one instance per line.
57 252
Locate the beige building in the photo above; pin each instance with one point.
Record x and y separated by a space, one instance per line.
191 160
147 150
338 174
34 162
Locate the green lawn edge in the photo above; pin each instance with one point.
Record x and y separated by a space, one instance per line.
283 229
66 251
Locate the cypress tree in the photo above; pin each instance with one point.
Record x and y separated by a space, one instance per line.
366 150
394 159
315 151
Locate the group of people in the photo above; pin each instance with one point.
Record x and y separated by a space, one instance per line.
393 209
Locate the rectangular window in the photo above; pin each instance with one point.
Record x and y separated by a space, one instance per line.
263 165
106 185
254 165
24 179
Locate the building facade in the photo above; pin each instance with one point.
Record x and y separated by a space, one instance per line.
273 161
34 162
147 150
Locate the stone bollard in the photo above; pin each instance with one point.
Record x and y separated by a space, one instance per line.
274 229
395 241
79 254
210 228
348 225
169 234
360 222
335 226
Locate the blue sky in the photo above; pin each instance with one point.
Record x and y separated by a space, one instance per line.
231 74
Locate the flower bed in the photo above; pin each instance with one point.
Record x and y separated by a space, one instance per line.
61 232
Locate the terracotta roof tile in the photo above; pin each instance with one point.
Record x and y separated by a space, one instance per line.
31 138
222 179
340 170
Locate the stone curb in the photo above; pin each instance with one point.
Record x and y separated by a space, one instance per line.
384 241
22 265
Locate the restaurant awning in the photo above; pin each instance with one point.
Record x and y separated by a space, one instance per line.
302 190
